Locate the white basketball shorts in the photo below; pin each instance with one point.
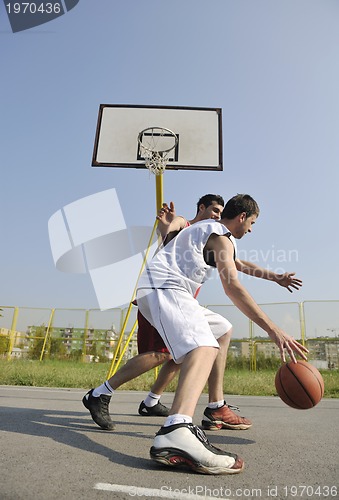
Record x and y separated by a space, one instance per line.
181 321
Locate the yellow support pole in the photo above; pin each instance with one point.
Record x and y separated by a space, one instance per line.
254 356
117 347
118 361
85 335
12 333
302 322
253 362
111 369
47 334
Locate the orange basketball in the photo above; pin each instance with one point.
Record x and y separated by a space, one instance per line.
299 385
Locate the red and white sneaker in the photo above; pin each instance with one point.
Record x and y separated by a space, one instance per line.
224 418
185 445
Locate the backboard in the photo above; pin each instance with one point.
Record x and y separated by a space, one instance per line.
198 130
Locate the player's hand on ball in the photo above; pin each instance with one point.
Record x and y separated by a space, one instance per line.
288 344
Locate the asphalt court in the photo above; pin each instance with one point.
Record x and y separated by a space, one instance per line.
51 449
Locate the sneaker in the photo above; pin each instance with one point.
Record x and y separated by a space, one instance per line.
185 445
99 410
224 418
159 410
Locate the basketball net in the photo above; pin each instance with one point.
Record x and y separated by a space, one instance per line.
153 149
155 162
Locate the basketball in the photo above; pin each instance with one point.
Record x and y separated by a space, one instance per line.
299 385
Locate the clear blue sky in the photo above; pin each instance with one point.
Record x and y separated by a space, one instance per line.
272 66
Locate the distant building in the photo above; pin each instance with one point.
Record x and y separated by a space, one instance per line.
323 352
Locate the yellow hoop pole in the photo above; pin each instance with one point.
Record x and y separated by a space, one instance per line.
159 189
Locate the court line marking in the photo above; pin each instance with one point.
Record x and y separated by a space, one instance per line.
137 491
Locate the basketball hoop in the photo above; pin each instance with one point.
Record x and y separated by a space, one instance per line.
155 145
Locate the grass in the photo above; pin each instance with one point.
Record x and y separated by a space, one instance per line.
72 374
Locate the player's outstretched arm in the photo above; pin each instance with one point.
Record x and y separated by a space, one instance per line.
169 224
165 216
223 251
287 280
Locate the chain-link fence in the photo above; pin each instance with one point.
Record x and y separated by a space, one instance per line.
93 335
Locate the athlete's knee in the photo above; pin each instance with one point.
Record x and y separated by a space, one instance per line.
225 339
160 357
229 333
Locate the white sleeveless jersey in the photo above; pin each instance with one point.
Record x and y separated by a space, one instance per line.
181 264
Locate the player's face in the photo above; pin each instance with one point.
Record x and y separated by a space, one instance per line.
245 225
248 223
213 211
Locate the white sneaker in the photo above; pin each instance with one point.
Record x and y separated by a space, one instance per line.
187 445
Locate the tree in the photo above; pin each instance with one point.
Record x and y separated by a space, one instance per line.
37 342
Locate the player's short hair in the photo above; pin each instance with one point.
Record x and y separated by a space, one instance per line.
208 199
239 204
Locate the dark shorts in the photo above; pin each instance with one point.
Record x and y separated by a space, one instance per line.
148 337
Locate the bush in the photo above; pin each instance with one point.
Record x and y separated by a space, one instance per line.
264 363
4 341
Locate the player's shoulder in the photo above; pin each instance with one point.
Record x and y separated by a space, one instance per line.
207 222
214 226
180 221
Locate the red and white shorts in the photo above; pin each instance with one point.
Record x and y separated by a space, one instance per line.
181 321
148 338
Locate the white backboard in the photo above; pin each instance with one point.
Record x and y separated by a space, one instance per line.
199 132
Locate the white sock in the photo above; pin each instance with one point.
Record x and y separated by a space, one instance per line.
104 388
151 399
217 404
177 418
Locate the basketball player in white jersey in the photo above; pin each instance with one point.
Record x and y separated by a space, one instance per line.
165 297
